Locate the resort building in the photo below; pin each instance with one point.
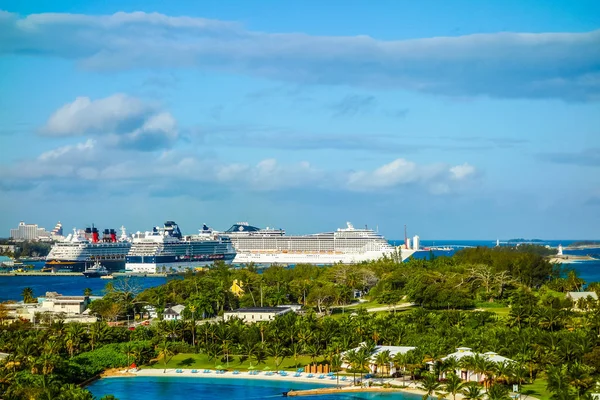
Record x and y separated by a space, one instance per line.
29 232
462 371
173 313
58 303
256 314
386 369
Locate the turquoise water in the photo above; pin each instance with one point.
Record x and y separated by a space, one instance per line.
202 388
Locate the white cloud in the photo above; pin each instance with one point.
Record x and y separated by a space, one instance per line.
102 116
70 152
558 65
460 172
117 121
435 177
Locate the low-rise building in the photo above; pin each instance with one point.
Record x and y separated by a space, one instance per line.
387 369
256 314
580 299
463 371
58 303
173 313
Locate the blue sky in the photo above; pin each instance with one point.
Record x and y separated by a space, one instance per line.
461 121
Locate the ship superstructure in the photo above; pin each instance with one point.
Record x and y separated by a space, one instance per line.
348 245
166 249
83 248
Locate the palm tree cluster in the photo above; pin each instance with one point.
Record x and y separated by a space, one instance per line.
541 330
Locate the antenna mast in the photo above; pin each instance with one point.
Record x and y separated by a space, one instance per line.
405 237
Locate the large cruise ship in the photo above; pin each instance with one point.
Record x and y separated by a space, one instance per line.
83 248
346 245
166 249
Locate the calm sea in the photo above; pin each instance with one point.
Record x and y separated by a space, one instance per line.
12 286
203 388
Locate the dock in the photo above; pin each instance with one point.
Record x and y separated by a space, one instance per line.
37 273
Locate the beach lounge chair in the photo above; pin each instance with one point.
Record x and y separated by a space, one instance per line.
321 376
179 371
297 375
300 370
344 378
236 372
207 371
194 371
310 376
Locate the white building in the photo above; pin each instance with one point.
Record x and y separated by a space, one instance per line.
57 303
465 374
577 297
388 369
256 314
173 313
28 232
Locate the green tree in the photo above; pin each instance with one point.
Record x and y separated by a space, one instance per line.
27 295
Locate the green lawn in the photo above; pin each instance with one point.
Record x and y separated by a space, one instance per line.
501 311
201 361
536 389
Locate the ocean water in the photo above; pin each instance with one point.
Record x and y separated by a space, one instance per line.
12 286
203 388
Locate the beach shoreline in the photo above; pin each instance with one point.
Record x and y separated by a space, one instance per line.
344 386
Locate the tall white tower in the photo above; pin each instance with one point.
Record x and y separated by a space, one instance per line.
416 242
560 250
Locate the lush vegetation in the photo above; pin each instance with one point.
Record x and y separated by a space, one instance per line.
539 329
26 248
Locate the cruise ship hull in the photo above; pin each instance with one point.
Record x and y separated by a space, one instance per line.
57 265
267 258
157 264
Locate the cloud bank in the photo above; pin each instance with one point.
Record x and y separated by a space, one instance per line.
503 65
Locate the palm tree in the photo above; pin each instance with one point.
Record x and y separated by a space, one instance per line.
278 351
351 358
165 352
27 294
498 392
472 391
336 365
430 384
453 384
383 359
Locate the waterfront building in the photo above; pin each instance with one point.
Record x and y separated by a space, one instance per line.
256 314
29 232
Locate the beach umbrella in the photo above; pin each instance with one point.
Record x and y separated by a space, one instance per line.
220 367
267 368
251 367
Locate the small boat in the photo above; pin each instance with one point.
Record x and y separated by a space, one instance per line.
96 271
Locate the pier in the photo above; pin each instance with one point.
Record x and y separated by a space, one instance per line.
37 273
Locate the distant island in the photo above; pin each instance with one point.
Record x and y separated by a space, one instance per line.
521 240
582 244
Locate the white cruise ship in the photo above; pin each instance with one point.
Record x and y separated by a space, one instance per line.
83 248
166 250
348 245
